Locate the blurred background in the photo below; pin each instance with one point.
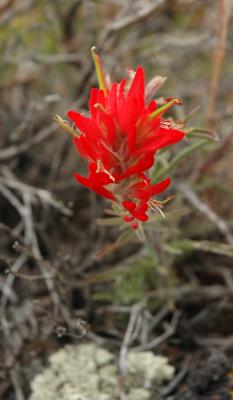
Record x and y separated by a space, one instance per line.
65 278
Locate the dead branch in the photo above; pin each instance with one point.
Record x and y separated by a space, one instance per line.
10 12
222 16
44 196
136 310
216 155
13 151
140 15
192 197
170 330
178 378
226 342
201 294
6 5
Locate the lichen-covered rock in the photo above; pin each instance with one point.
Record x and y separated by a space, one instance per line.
89 372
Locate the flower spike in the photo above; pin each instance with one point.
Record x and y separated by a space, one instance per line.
119 140
99 71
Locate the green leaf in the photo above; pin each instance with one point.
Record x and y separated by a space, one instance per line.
180 157
203 245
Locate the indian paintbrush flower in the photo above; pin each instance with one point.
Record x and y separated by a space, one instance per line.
119 140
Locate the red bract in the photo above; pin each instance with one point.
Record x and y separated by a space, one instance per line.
119 139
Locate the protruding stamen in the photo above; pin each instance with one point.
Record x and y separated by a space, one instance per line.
65 125
155 207
169 198
100 107
110 175
99 71
161 110
101 168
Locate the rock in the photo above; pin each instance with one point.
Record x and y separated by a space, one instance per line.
89 372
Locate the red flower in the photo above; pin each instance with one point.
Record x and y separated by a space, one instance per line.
120 139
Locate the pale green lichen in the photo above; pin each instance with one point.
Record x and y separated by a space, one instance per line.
139 394
88 372
148 368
